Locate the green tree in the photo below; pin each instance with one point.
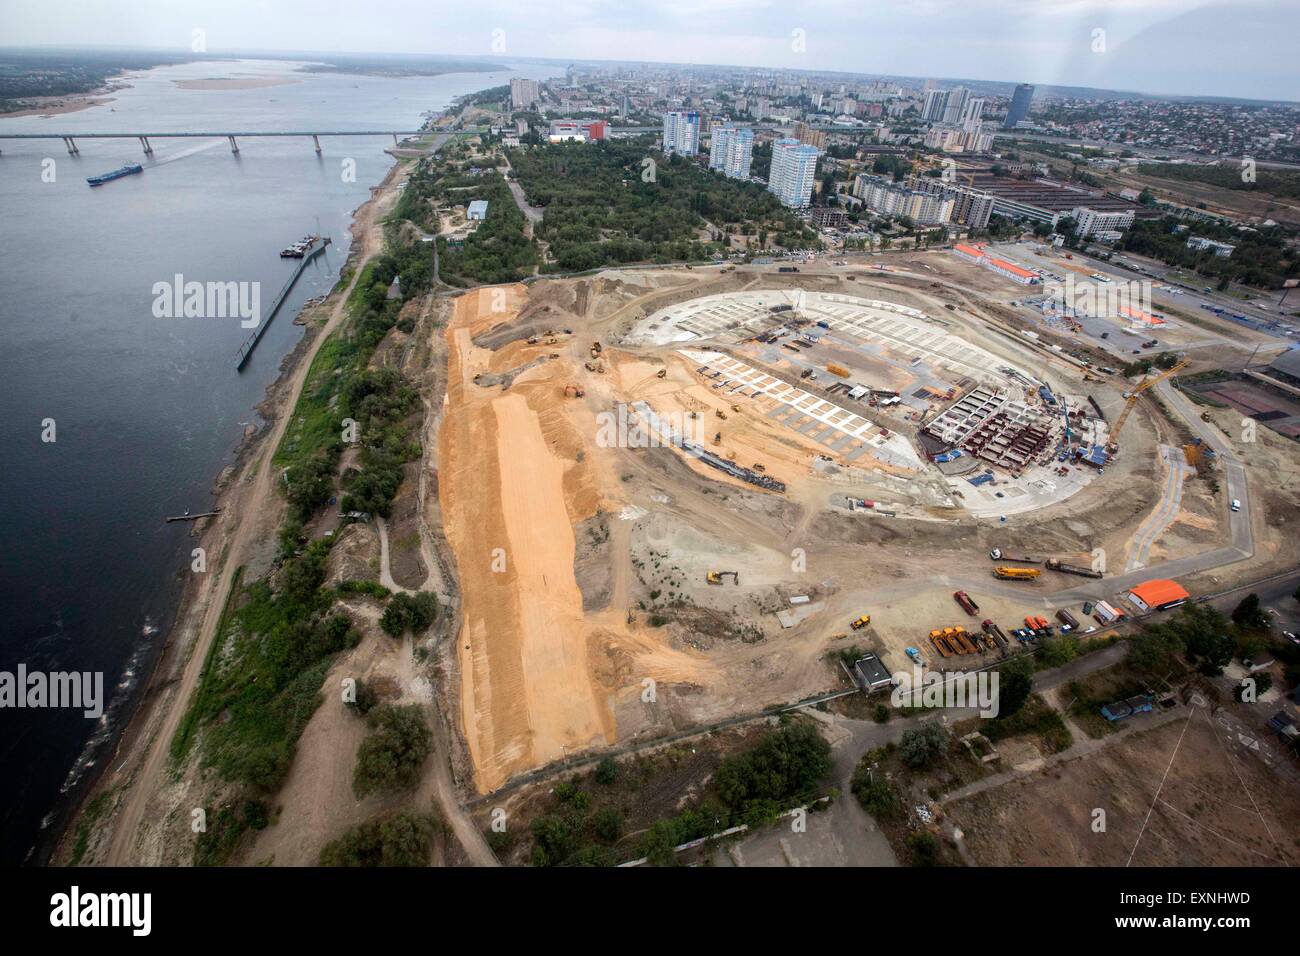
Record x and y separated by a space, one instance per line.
1014 687
921 745
391 757
1250 614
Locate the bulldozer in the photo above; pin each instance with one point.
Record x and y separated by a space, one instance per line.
662 373
861 622
715 577
721 414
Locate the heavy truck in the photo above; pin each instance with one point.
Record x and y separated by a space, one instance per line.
1054 564
995 632
997 554
1016 574
967 604
1067 619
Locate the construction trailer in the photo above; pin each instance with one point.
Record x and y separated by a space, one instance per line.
1055 564
871 675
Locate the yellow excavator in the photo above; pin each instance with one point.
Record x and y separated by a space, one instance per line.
715 577
1112 444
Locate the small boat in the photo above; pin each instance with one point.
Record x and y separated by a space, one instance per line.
130 170
298 249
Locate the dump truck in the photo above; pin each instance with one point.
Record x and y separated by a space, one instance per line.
1016 574
995 632
967 605
1054 564
861 622
1068 619
573 390
715 577
959 637
936 638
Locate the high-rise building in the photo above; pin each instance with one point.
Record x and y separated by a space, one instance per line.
794 169
974 109
935 103
732 151
1019 109
682 132
885 197
809 136
524 92
956 107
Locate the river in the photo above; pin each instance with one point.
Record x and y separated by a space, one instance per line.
144 412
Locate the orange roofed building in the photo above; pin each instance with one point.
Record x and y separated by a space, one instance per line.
1158 594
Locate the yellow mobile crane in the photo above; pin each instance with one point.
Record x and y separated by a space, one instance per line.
1113 444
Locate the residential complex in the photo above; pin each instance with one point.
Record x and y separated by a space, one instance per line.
732 151
794 169
524 93
682 133
886 198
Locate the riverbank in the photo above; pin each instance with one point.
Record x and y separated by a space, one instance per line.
135 778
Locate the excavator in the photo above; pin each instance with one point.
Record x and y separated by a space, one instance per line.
1112 444
861 622
715 577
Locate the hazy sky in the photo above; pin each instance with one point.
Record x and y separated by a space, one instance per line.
1208 47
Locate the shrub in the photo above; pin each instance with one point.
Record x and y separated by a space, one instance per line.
391 757
409 612
399 839
920 745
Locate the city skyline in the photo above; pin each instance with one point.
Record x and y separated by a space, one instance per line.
1158 47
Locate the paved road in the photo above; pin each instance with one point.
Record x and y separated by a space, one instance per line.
1160 519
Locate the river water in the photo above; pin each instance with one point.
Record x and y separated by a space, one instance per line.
146 411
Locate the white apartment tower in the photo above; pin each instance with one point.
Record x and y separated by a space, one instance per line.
794 169
732 151
682 132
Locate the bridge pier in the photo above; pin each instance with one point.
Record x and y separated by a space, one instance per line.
144 144
71 143
234 147
316 139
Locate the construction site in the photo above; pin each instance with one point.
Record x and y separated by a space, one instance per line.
676 497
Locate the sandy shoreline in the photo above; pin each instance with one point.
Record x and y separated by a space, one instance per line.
146 717
235 83
65 104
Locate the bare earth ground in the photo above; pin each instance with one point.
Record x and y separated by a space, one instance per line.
1186 794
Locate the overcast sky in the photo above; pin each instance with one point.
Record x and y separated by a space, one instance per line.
1206 47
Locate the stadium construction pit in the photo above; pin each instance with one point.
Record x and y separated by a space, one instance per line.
939 417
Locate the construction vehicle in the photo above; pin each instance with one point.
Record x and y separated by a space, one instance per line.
958 638
735 408
839 370
717 439
1067 619
1054 564
758 467
595 348
967 605
573 390
997 555
936 638
715 577
861 622
915 655
1016 574
995 632
662 373
1206 417
1112 444
598 367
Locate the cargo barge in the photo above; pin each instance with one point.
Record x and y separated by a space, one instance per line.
115 174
